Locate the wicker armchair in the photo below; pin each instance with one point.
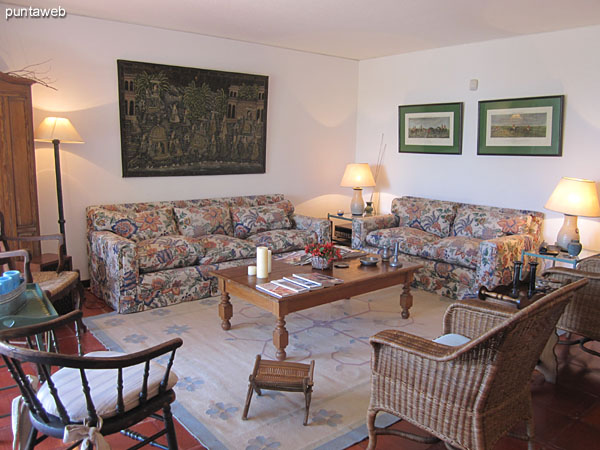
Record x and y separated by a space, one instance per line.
582 315
468 395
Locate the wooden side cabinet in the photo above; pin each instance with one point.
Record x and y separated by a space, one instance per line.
18 185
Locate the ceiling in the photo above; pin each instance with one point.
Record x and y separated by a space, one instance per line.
353 29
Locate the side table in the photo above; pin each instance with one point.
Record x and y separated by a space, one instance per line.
342 233
561 257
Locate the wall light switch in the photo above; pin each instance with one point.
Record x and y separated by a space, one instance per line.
473 84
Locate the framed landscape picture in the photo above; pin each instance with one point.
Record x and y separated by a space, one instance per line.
431 128
179 121
521 126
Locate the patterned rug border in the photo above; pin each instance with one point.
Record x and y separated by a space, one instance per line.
203 434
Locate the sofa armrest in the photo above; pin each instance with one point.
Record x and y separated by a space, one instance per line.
362 226
497 257
321 227
114 269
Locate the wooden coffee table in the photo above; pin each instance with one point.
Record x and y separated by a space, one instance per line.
358 280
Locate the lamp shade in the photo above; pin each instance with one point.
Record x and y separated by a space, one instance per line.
575 197
358 175
57 128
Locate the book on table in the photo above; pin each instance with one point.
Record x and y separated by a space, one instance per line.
297 288
319 278
275 290
306 284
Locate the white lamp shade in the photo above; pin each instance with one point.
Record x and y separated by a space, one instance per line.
58 128
358 175
575 197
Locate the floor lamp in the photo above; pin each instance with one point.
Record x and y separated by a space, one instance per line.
57 130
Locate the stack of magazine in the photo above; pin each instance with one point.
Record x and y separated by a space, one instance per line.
298 283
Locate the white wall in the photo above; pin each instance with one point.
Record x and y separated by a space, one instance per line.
311 116
566 62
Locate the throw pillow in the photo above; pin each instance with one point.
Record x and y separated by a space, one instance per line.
196 221
136 226
256 219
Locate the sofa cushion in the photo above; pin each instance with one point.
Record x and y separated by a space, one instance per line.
488 222
219 248
280 241
433 216
136 226
196 221
256 219
168 252
460 250
411 241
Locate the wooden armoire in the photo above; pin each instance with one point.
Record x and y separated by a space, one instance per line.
18 185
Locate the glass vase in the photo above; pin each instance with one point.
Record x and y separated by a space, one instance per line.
321 263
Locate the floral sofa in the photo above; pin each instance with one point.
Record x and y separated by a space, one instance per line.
461 246
148 255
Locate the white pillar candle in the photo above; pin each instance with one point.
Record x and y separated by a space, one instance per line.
270 254
252 271
262 262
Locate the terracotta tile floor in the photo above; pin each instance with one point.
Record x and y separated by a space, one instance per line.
567 415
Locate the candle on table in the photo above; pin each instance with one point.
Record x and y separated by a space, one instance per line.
270 254
252 270
262 262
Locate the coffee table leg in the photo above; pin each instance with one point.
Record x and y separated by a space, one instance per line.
280 339
225 311
406 299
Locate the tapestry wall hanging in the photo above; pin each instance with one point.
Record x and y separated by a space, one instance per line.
184 121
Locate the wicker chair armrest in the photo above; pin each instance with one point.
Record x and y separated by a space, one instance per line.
563 274
472 318
412 344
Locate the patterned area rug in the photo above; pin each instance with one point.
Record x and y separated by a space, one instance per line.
213 365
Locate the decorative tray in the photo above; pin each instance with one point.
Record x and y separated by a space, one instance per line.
9 302
29 308
369 260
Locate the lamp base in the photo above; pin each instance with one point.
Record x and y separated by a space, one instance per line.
357 206
568 232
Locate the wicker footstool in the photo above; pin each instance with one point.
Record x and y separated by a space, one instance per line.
281 376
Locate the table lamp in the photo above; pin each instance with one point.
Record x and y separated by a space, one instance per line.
573 197
57 130
357 176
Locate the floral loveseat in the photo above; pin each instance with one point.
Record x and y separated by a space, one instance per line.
462 246
148 255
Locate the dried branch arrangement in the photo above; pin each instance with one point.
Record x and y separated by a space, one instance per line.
33 72
382 148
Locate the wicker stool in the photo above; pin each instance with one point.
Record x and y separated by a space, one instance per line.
280 376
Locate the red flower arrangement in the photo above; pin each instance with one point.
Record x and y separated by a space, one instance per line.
327 251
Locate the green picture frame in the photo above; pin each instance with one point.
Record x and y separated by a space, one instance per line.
530 126
434 128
